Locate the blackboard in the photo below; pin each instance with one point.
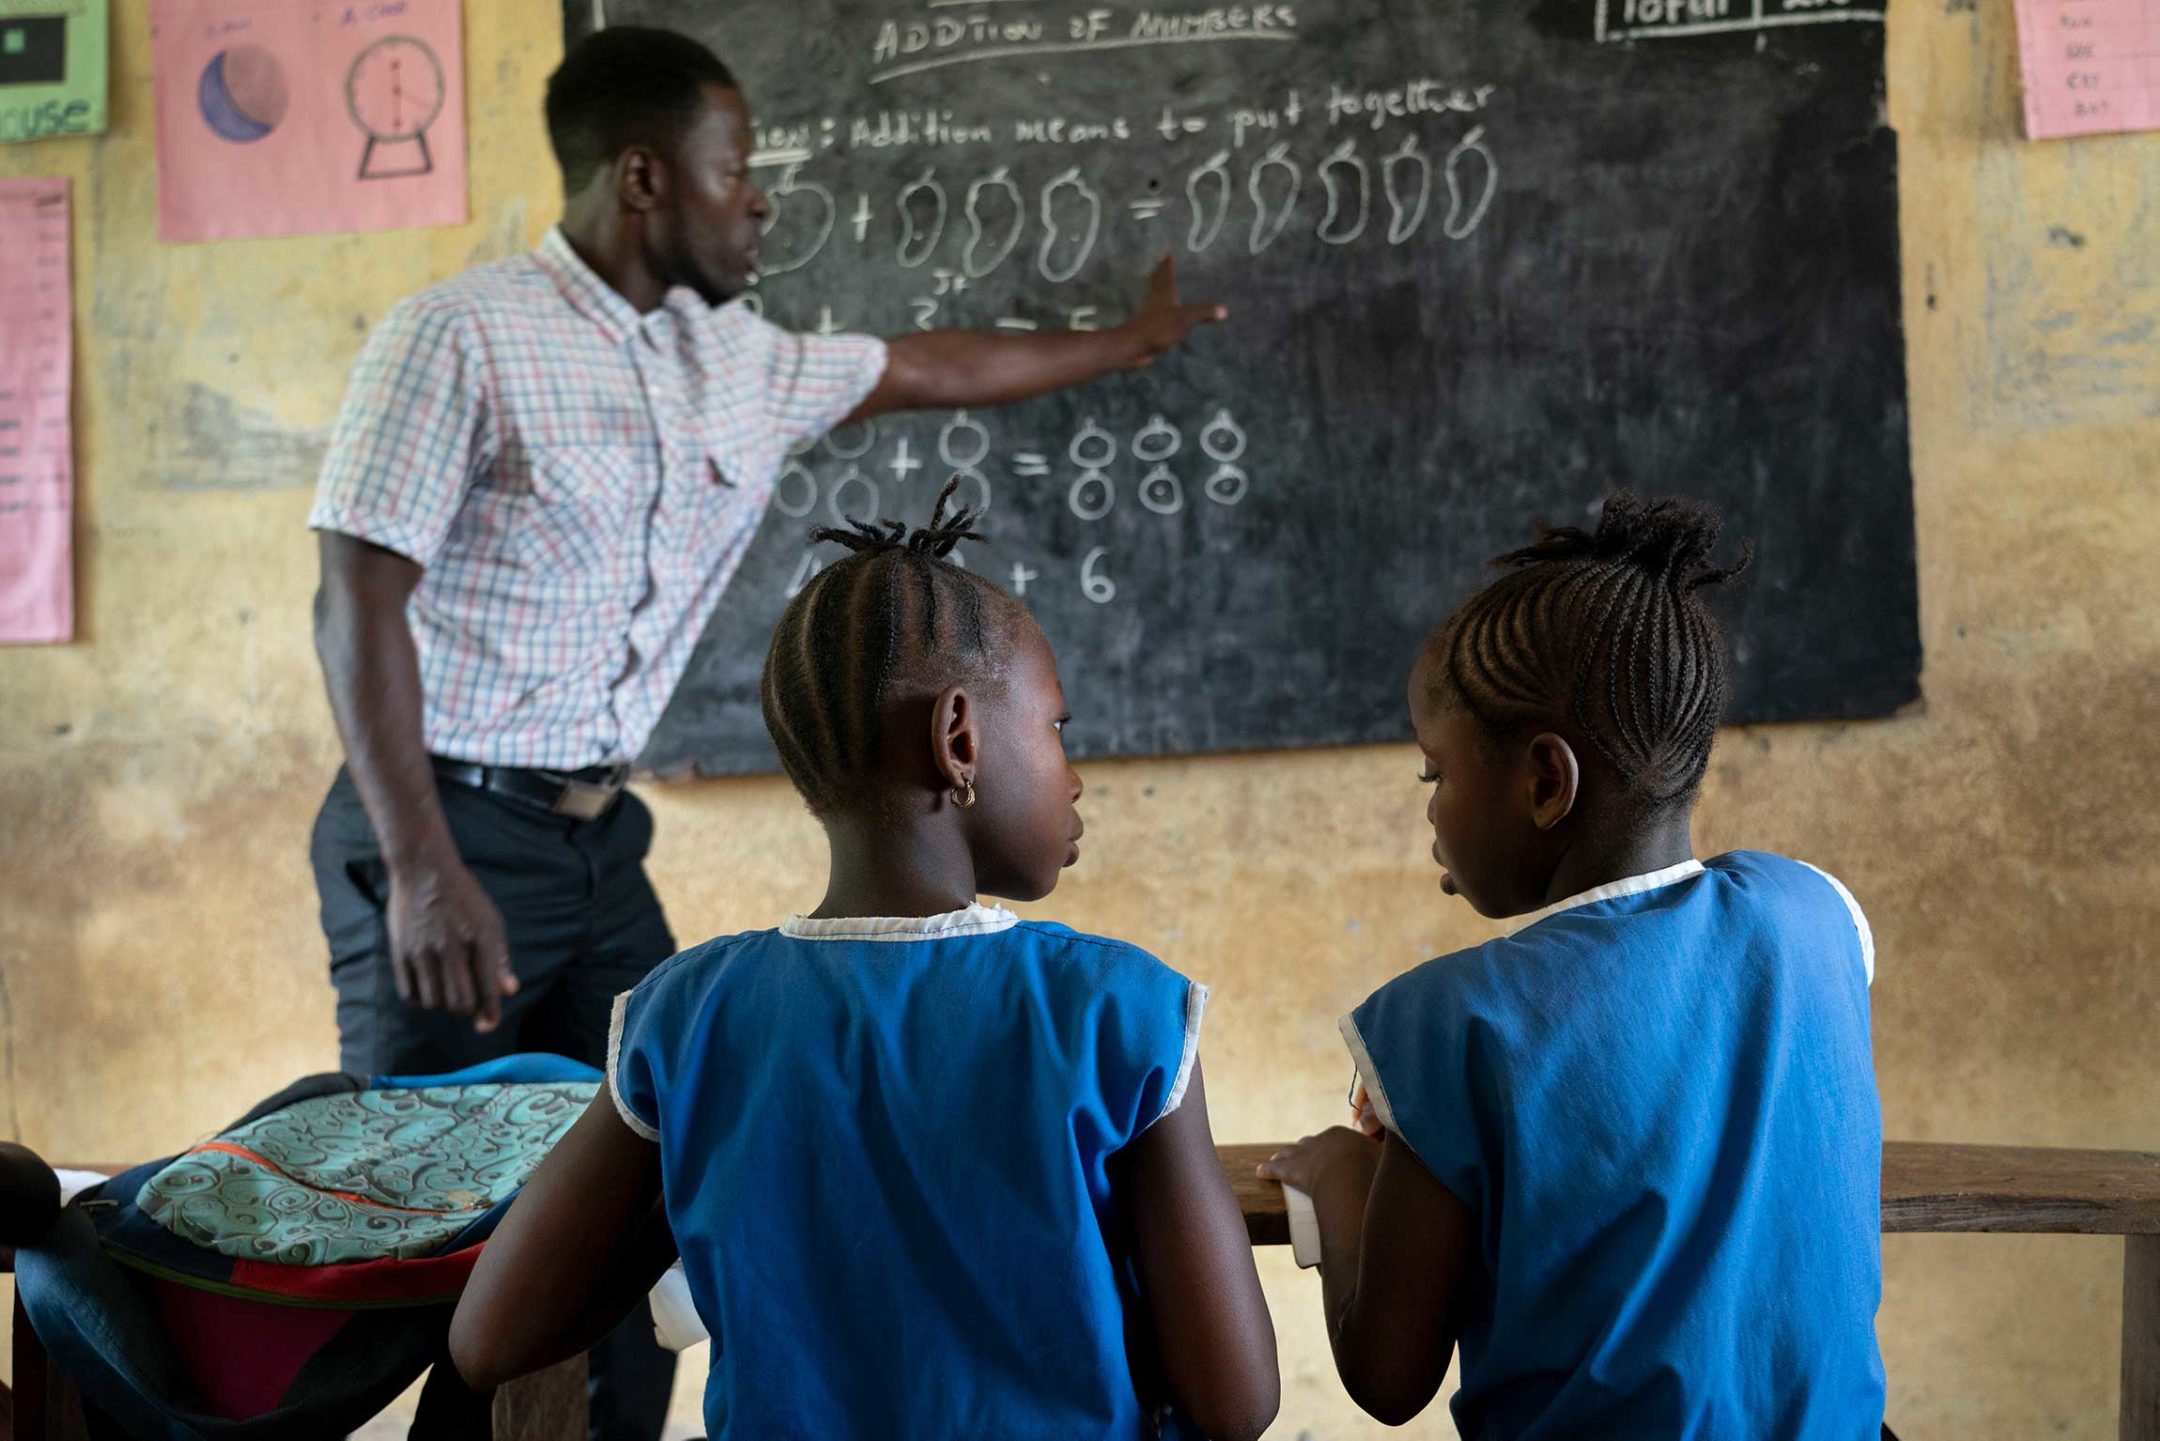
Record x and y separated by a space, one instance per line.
1488 259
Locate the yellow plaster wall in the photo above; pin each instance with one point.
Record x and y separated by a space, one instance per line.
160 967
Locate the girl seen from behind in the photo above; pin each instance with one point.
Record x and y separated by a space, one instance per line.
932 1170
1627 1158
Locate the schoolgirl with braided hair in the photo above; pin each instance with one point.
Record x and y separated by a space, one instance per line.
932 1170
1625 1160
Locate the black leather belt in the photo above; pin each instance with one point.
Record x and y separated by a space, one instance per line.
582 795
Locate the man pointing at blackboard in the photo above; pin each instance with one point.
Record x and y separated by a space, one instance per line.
544 476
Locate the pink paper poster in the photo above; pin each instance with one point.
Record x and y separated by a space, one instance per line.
2091 66
292 117
37 472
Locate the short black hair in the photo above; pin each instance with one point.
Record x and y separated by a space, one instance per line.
1605 629
896 610
624 86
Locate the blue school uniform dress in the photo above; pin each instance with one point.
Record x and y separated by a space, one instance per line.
883 1149
1659 1099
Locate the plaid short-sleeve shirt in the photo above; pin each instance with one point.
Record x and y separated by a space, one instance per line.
579 483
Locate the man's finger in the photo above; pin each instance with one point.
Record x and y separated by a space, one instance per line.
401 972
457 991
487 992
491 977
1164 281
424 993
1206 314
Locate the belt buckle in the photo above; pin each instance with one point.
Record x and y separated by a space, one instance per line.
585 801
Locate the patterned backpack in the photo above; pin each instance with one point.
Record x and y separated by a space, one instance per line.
294 1273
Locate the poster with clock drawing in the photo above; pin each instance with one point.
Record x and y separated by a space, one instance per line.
293 117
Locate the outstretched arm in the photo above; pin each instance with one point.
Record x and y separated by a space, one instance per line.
582 1243
1197 1279
1395 1249
950 369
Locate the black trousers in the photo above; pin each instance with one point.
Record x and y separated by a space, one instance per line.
584 925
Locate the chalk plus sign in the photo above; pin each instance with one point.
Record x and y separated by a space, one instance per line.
902 462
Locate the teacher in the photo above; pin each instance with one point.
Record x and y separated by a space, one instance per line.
545 474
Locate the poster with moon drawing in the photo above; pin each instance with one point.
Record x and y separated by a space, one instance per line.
294 117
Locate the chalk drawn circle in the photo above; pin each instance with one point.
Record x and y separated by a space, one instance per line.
866 428
800 475
1227 486
982 488
1091 504
1157 440
835 504
1222 439
1093 448
963 421
1161 491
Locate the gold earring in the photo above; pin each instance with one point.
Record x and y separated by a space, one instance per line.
964 794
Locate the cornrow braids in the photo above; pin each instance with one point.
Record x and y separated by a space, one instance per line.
1606 629
895 610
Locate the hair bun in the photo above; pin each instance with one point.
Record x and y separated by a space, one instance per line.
1670 538
935 540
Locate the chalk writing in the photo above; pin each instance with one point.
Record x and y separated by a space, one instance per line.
1274 170
1343 175
920 228
1063 200
816 204
1094 584
1470 186
1406 176
867 490
979 259
1207 190
1673 19
795 492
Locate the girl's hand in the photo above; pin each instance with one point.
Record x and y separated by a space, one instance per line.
1361 1107
1336 1154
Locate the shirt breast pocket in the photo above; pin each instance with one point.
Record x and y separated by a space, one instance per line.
575 517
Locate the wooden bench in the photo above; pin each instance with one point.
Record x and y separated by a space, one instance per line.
1939 1188
1926 1188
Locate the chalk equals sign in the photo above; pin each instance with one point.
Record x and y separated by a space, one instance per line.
1030 463
1014 322
1147 207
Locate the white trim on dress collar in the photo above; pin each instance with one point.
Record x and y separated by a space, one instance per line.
1611 890
976 920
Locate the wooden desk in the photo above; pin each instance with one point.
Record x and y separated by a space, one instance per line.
1940 1188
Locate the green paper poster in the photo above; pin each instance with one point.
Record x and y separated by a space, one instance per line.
52 68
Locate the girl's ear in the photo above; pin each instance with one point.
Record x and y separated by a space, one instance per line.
955 747
1554 779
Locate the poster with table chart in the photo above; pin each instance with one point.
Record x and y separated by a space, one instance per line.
37 469
1486 259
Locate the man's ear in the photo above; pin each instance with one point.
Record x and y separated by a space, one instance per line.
1553 780
955 747
640 179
